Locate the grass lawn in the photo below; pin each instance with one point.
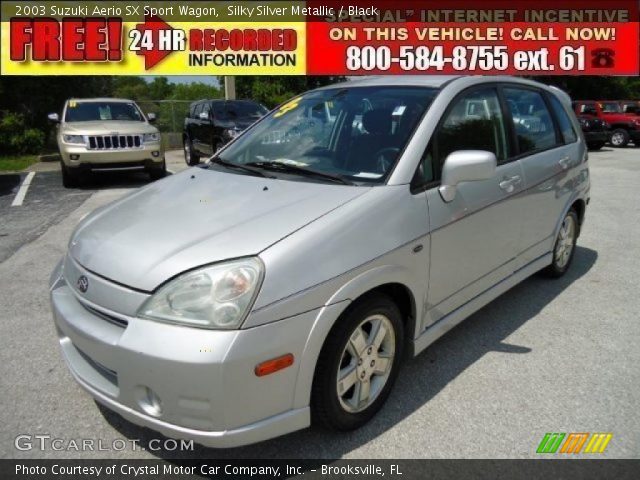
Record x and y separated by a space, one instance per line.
20 162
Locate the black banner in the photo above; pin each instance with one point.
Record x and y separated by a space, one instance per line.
321 469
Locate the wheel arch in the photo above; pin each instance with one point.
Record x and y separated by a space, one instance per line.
388 283
580 207
621 126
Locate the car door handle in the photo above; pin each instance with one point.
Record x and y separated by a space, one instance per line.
564 162
508 184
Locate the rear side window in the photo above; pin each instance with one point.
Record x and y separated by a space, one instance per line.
566 127
532 120
196 110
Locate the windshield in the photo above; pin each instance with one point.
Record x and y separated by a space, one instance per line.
99 111
356 133
611 107
234 110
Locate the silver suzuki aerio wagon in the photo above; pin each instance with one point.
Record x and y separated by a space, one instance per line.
282 282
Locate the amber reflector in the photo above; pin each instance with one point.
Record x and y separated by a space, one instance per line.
273 365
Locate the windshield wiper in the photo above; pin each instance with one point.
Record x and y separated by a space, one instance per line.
286 167
254 171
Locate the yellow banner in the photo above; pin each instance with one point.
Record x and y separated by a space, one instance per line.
41 41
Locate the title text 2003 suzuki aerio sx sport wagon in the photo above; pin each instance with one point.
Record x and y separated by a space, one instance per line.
282 282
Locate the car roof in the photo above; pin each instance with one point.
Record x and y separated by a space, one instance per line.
435 81
222 100
101 99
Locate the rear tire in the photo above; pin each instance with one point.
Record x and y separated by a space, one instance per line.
70 176
156 173
619 138
358 364
565 246
595 146
190 156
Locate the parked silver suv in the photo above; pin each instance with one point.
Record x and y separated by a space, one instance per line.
106 134
283 281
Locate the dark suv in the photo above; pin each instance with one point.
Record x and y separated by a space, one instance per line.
210 124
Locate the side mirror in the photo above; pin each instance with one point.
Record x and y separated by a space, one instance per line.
151 117
465 166
54 117
203 116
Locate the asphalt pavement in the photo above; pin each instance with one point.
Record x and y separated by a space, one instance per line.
548 356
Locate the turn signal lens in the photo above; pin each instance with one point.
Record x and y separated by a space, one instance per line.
273 365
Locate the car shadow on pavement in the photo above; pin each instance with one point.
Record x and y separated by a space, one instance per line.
420 379
112 180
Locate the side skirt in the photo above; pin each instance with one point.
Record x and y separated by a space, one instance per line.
446 323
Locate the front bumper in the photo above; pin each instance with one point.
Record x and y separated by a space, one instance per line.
602 136
204 379
79 155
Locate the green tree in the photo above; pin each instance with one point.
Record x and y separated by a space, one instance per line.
160 88
33 97
596 88
195 91
134 88
275 89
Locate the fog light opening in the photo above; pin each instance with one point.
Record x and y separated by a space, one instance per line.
74 156
155 154
149 402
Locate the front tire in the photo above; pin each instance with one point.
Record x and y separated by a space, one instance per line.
70 176
358 364
156 173
190 156
565 246
620 138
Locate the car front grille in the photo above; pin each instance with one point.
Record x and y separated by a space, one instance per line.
114 142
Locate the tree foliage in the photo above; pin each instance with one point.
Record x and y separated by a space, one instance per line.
596 88
275 89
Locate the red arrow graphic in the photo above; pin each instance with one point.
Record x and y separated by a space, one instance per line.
153 55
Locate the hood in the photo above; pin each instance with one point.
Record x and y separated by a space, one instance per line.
237 123
617 117
196 218
107 127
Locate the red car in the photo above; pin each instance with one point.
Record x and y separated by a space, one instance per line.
624 127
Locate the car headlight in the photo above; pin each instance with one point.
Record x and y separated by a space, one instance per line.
217 297
74 139
232 133
151 137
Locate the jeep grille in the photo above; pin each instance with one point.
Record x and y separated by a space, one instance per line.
114 142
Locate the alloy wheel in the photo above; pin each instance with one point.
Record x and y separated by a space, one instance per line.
366 363
565 243
617 139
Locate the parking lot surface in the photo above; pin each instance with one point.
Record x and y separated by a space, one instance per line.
548 356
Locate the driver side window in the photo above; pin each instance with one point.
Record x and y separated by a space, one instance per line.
475 122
